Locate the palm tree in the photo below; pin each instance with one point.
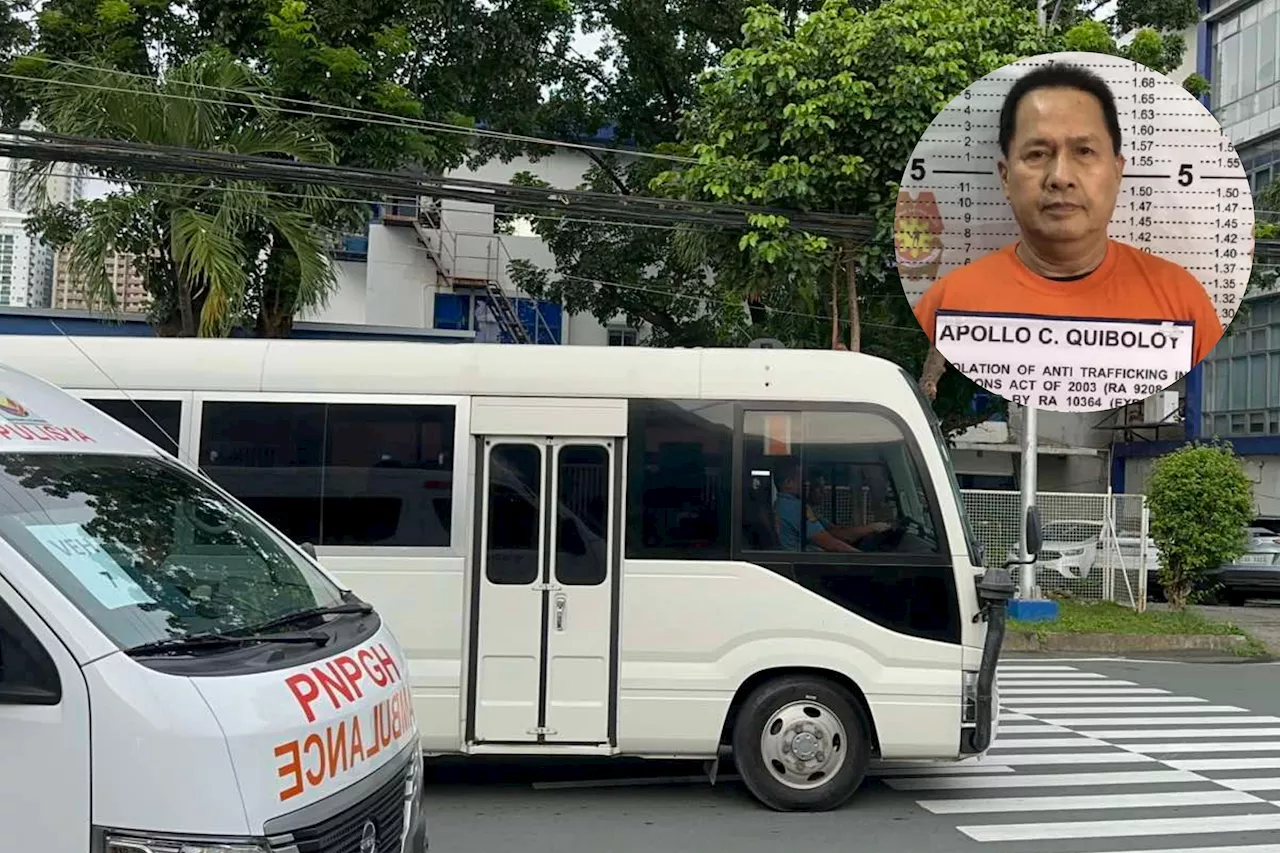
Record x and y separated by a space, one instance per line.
215 253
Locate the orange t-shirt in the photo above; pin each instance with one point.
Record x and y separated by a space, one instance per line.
1128 285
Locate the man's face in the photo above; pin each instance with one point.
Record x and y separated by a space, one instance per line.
1060 175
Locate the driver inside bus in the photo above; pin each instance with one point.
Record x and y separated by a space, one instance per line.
790 509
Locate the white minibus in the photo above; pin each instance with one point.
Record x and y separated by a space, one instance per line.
608 551
175 675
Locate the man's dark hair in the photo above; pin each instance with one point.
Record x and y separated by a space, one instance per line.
786 468
1057 76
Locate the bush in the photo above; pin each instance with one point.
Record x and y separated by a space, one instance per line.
1201 502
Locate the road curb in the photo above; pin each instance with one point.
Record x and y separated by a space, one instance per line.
1058 641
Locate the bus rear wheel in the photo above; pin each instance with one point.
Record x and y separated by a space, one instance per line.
800 744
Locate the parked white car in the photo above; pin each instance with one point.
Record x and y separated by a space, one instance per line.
1070 547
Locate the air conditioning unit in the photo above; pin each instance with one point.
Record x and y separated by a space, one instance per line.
1161 407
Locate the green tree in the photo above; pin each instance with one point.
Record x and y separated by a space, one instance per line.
1201 502
651 48
15 39
213 253
454 61
822 119
1161 51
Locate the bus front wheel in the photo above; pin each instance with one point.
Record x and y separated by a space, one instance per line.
801 744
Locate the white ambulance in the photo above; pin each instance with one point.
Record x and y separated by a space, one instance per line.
175 675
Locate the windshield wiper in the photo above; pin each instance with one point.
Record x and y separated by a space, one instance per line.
192 642
361 607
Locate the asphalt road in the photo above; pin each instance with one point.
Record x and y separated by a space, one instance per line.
1093 756
1260 618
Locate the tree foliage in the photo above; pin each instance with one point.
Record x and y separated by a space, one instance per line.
816 106
452 62
1201 502
212 252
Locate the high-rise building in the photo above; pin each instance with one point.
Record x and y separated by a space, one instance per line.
26 264
130 290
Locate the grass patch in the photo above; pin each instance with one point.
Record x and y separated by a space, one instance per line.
1106 617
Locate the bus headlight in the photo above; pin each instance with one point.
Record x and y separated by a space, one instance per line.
121 842
969 699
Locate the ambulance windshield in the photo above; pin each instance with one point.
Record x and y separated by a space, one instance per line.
149 551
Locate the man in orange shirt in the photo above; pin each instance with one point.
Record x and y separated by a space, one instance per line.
1061 171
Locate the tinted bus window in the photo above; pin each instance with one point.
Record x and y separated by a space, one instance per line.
337 474
158 421
679 479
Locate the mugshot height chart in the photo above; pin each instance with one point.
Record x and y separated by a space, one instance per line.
1184 197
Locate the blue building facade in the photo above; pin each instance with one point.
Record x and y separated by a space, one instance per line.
1235 393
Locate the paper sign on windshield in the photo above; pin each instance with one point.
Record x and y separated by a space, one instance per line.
92 566
1066 365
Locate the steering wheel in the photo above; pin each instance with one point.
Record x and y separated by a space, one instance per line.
910 525
884 540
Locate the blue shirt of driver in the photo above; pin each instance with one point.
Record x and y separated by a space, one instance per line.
790 512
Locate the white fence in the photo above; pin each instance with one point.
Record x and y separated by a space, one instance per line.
1097 547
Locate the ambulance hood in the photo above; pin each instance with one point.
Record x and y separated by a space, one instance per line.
298 735
254 747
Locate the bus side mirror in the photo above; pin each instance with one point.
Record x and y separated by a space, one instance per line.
1033 532
310 549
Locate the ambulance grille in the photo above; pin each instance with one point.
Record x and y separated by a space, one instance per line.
343 833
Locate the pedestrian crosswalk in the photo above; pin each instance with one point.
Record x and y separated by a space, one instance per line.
1084 763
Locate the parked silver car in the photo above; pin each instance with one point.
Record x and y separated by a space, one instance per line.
1255 573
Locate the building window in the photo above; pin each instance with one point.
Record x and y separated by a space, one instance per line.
832 481
543 321
679 476
337 474
1242 374
622 337
1246 81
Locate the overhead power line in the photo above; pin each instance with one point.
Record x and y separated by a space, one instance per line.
133 157
313 109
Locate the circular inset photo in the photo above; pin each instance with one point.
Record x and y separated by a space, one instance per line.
1074 231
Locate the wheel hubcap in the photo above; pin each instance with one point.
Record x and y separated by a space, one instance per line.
803 745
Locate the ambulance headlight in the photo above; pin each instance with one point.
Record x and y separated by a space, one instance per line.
130 842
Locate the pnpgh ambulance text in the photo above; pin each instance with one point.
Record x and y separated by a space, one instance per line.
337 747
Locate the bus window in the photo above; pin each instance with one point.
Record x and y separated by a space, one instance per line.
388 475
269 455
679 479
337 474
158 421
846 474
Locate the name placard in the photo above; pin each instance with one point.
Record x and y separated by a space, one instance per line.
1066 365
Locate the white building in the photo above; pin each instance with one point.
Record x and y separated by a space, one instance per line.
26 264
441 266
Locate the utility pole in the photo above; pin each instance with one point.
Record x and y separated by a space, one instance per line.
1026 606
1027 482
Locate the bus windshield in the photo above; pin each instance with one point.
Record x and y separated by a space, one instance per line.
149 551
976 549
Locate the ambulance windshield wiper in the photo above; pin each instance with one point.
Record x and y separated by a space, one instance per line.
356 606
192 642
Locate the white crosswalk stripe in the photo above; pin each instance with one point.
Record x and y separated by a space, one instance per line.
1076 750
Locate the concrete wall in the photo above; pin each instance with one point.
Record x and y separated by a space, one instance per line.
1263 472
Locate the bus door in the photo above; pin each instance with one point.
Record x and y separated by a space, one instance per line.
545 579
